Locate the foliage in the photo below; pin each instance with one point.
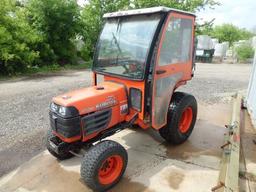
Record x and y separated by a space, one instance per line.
244 52
58 23
17 39
192 5
38 34
205 29
230 33
91 20
56 67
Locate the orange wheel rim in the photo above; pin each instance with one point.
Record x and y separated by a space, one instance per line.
110 169
185 120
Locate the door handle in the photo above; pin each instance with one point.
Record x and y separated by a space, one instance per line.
160 71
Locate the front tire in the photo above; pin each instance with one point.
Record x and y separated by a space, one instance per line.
103 165
182 116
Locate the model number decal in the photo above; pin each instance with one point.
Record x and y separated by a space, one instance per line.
108 103
124 109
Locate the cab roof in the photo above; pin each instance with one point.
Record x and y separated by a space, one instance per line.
144 11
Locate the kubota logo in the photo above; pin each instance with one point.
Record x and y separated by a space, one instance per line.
111 100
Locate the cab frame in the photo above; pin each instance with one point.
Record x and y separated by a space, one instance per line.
153 71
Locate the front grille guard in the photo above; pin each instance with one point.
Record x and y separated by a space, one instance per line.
96 121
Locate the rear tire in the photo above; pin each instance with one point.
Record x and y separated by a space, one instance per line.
60 156
181 118
103 165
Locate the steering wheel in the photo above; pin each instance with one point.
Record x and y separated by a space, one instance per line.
132 66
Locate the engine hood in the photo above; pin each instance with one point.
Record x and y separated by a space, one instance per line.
86 100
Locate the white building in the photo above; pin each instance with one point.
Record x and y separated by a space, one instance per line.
251 96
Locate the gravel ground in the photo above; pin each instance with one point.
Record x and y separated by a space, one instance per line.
25 101
214 83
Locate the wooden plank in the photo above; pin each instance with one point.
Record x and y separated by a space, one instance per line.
229 167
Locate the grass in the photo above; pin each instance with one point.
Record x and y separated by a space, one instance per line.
244 52
49 69
56 68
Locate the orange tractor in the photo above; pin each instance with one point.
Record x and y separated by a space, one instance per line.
143 55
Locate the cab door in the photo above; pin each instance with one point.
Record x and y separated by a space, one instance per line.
173 63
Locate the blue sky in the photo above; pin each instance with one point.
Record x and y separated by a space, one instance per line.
241 13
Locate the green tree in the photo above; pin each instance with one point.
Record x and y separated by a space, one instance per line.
230 33
245 34
92 13
91 20
58 23
17 39
206 28
192 5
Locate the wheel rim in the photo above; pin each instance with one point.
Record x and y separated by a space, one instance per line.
110 169
185 120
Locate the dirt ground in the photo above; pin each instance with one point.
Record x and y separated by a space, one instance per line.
24 121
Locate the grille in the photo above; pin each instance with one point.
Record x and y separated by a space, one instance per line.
66 127
96 121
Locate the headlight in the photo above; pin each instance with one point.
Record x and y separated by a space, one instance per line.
54 107
65 112
135 98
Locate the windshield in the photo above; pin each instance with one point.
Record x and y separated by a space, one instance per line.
124 44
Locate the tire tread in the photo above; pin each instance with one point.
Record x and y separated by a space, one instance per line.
93 157
171 131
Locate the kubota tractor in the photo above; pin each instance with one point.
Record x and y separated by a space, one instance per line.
144 55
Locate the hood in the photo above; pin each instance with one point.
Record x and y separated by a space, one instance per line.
86 100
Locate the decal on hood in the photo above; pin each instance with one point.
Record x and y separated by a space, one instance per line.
110 101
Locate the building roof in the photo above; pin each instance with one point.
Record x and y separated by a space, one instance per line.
144 11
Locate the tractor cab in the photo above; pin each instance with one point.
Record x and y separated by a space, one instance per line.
143 55
150 51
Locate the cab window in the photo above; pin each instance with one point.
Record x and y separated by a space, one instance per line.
176 43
